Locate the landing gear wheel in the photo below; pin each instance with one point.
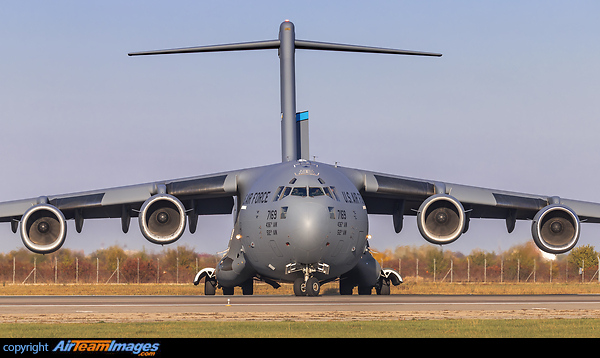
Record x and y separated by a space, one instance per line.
248 288
300 287
364 290
210 287
384 288
313 287
346 287
228 291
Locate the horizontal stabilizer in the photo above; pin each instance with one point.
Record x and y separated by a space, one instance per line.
274 44
256 45
325 46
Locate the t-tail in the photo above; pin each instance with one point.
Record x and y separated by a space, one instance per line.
287 45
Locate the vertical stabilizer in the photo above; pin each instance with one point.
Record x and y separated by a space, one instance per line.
292 142
287 78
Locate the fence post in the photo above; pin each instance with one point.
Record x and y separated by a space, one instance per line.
484 269
399 267
468 270
417 269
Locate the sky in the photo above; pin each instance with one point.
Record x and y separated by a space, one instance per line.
512 104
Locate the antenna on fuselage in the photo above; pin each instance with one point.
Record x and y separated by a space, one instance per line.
287 44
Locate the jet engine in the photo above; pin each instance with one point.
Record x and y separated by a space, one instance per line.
441 219
162 219
555 229
43 229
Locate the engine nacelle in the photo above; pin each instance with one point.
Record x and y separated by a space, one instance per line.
555 229
162 219
441 219
43 229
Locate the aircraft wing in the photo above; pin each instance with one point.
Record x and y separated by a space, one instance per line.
43 219
399 196
107 203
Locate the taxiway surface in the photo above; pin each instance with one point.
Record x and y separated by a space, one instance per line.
272 307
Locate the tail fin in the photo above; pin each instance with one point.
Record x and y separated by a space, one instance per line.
287 44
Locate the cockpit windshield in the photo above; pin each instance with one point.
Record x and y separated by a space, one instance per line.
299 191
315 191
302 191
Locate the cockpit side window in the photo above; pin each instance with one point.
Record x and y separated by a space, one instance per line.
277 193
328 192
334 193
286 192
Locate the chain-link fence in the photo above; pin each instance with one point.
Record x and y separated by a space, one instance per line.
173 266
501 270
179 265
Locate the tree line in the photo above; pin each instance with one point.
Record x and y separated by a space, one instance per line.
521 263
111 265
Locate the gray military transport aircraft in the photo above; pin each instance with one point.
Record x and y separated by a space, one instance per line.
299 220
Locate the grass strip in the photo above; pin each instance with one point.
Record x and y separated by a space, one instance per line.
486 328
407 288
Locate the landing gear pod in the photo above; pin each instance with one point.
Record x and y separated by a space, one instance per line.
555 229
162 219
43 229
441 219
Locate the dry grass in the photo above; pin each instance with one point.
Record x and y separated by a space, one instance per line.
410 287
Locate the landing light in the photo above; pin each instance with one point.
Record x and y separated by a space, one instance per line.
368 237
238 236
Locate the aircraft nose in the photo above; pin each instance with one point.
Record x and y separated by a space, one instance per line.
311 231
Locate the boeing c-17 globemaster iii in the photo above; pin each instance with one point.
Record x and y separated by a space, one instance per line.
298 221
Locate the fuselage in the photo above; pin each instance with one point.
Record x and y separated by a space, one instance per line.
299 213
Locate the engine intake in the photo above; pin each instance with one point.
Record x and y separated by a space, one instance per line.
555 229
43 229
162 219
441 219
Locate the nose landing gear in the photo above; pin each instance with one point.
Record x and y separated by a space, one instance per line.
307 285
310 287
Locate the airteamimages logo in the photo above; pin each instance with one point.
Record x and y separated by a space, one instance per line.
106 346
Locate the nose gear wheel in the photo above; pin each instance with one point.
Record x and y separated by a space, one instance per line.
310 287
